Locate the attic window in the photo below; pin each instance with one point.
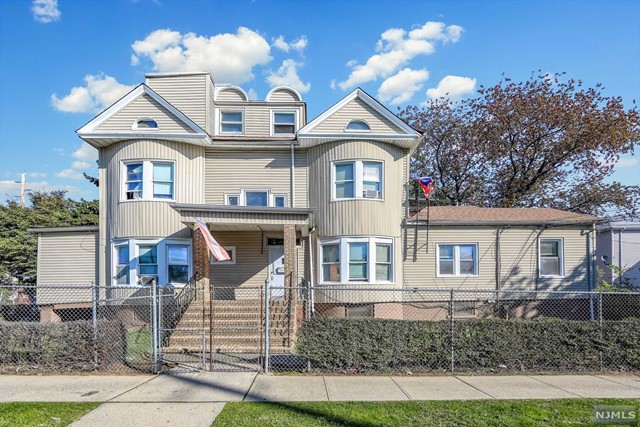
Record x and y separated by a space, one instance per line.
358 126
145 124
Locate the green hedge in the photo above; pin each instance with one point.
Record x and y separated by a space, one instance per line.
60 347
481 345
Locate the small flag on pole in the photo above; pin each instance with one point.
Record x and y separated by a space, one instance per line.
216 250
427 185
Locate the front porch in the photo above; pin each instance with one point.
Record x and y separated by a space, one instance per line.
240 301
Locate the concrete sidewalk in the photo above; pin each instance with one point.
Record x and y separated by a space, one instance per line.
199 397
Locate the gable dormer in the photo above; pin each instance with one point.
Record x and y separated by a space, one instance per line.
142 114
358 116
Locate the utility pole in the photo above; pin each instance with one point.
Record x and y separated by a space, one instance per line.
22 189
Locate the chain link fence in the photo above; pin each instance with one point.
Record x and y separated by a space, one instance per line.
153 329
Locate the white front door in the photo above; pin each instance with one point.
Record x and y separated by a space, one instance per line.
276 270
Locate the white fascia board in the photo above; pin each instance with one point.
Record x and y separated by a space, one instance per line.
369 100
142 88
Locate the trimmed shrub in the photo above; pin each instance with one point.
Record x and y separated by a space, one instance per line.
60 347
481 345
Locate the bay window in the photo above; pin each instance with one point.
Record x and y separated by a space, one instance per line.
168 261
356 260
357 179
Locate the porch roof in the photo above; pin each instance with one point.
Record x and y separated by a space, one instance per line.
247 218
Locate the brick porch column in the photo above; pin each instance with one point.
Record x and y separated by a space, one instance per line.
200 260
290 262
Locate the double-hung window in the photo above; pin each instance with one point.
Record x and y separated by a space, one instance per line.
232 122
356 260
148 180
357 179
178 263
121 276
284 123
147 261
551 258
457 260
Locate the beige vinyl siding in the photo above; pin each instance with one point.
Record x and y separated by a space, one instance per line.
186 92
228 172
144 107
518 258
230 94
357 217
251 268
283 95
67 258
211 109
422 272
152 218
356 110
257 116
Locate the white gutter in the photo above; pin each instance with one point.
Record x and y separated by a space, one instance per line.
293 177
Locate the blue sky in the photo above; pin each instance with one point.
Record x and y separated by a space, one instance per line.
62 61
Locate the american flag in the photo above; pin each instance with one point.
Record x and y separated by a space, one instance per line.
216 250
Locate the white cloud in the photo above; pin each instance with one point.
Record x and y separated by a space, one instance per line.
45 11
86 152
229 57
12 187
627 162
298 45
79 164
396 48
400 87
99 93
453 88
252 94
287 75
69 174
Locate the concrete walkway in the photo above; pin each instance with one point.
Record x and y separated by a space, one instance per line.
198 397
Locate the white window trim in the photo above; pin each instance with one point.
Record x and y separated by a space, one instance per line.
272 122
163 265
357 130
256 190
357 179
134 126
273 199
147 180
231 110
456 259
213 261
560 240
343 243
238 195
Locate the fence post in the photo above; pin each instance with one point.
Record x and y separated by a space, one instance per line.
600 325
94 316
451 317
154 325
267 303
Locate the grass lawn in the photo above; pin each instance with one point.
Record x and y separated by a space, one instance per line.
139 341
573 412
28 414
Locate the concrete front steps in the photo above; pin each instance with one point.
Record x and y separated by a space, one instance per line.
237 327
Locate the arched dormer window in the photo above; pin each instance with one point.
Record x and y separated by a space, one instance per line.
358 126
145 123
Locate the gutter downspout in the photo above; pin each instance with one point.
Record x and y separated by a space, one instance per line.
620 254
498 256
293 177
591 244
312 298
